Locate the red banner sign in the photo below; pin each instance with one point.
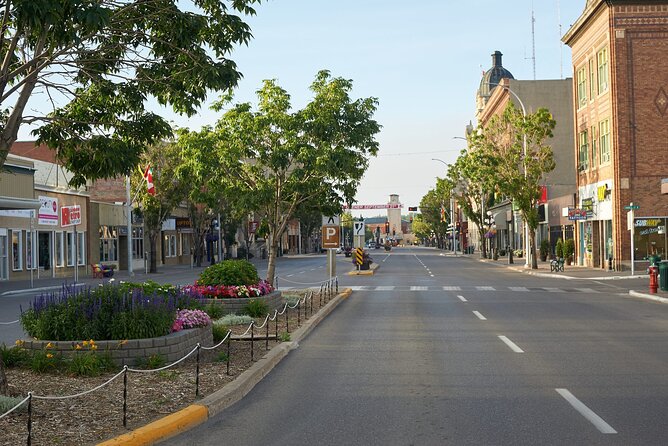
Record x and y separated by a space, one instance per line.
70 215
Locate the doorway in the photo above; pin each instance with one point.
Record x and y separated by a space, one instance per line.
4 257
44 250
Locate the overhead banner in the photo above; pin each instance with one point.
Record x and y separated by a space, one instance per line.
375 206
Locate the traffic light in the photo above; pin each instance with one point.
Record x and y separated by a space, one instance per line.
412 208
410 217
387 227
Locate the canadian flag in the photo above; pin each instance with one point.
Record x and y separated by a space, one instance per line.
148 176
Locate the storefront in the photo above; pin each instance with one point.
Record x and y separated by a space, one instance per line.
650 238
595 238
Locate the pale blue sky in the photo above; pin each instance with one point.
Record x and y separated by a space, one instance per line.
422 59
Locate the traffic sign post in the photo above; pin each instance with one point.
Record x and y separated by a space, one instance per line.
631 226
358 234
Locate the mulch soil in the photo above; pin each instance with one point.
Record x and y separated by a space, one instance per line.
98 416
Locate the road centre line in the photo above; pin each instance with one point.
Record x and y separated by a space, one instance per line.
586 412
480 316
462 298
289 275
511 344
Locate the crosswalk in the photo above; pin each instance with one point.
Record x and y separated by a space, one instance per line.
517 289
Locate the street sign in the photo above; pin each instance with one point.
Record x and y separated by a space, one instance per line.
330 237
359 255
358 228
633 207
577 214
334 220
70 215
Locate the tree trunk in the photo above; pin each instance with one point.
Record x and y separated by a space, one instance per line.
483 244
271 264
152 236
3 379
532 247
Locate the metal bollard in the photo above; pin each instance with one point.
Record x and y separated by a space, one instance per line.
229 336
197 371
29 418
252 340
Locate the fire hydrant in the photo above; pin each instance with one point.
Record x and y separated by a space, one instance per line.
653 279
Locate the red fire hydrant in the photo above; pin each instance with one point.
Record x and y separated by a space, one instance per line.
653 279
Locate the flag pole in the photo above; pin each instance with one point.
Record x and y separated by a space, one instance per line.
128 207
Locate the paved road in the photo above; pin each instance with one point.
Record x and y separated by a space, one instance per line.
414 360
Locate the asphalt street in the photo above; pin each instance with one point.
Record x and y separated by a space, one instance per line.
436 350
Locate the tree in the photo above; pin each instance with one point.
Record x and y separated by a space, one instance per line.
431 205
516 174
276 160
94 64
421 229
170 191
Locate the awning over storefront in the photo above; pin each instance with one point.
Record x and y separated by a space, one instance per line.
500 220
8 203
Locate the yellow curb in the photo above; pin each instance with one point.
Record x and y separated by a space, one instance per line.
163 428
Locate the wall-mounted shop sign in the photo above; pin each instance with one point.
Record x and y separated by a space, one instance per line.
648 222
577 214
603 192
588 205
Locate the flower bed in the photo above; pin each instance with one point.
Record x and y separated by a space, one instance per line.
261 288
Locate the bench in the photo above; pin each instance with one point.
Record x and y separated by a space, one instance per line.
100 271
557 265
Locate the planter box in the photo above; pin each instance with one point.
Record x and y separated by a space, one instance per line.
172 347
274 301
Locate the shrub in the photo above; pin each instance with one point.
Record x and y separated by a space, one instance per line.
229 272
215 311
544 248
291 299
284 337
88 362
569 248
9 402
219 332
234 319
45 360
222 357
559 249
152 362
256 308
149 287
104 313
13 356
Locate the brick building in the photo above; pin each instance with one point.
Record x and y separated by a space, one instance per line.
620 96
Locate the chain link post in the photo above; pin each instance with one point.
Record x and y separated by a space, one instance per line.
299 314
29 418
229 338
266 339
125 396
197 371
252 340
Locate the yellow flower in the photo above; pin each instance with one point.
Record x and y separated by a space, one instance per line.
85 343
91 342
123 342
49 345
19 343
78 347
49 355
93 347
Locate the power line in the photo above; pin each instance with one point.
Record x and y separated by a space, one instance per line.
420 153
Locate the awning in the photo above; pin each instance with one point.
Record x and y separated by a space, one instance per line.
500 220
8 203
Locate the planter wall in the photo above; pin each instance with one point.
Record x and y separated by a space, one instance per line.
172 347
274 301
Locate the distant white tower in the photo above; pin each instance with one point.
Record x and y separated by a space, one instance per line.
394 217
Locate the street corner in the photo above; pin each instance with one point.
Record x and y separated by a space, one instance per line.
346 293
648 296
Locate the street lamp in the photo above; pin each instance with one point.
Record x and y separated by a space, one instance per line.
452 212
529 252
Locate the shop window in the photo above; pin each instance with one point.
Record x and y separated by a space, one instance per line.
108 244
17 250
60 249
69 249
650 238
81 246
137 243
31 252
602 59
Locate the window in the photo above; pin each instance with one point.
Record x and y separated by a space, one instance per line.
69 249
108 244
60 249
31 254
592 80
172 245
602 59
583 152
17 249
594 153
137 243
604 132
582 87
81 247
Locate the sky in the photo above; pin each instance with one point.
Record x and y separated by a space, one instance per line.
422 59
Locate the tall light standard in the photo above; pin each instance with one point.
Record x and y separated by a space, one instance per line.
529 253
452 212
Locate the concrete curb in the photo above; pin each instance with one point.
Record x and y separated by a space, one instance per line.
45 288
232 392
523 270
653 297
162 429
367 272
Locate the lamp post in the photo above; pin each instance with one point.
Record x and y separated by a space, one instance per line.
529 253
452 213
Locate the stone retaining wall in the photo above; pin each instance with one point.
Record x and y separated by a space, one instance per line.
172 347
235 305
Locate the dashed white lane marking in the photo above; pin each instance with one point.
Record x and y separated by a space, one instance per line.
552 290
302 272
384 288
480 316
462 298
289 275
587 290
511 344
518 288
452 288
586 412
485 288
419 288
431 275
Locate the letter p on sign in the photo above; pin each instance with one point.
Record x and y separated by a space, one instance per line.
330 237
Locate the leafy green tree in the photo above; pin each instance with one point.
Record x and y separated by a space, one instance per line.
517 174
421 229
170 191
275 160
431 205
98 62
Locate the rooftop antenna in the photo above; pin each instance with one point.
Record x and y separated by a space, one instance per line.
533 40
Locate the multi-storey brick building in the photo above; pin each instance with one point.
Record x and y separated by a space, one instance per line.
620 94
